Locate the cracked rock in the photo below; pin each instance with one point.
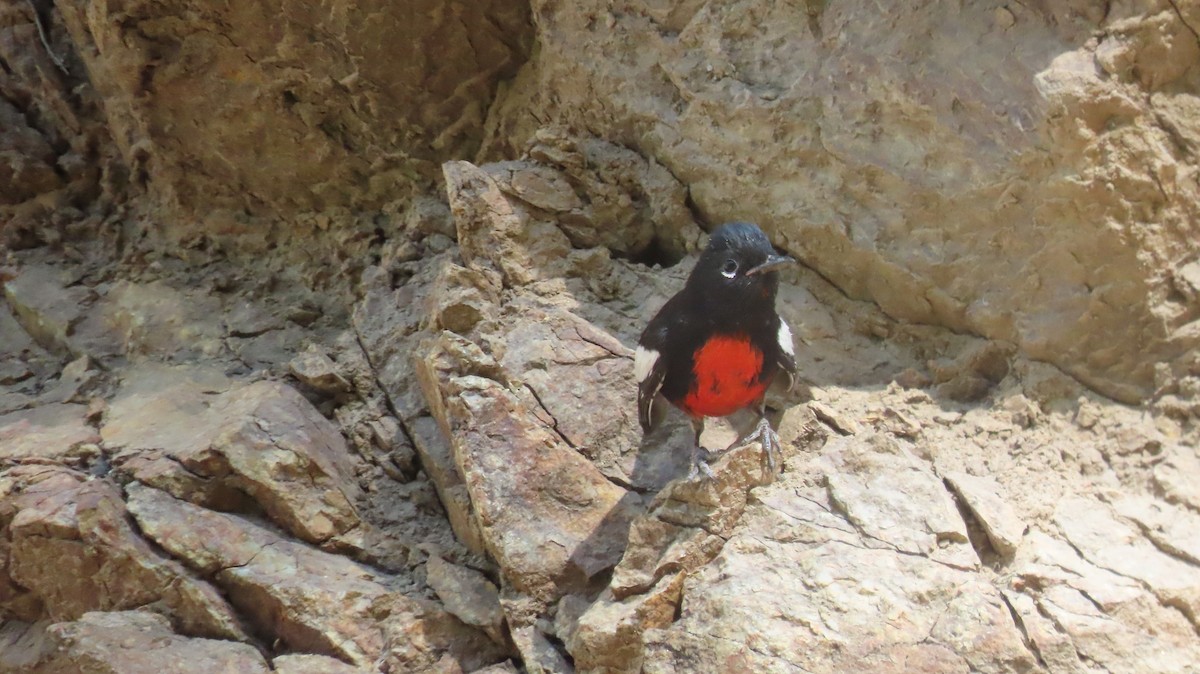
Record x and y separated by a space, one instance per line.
54 312
316 369
437 459
625 201
158 319
571 368
56 431
139 642
468 594
808 577
684 528
982 496
1107 618
538 654
498 233
1174 530
203 438
547 516
311 600
895 500
1176 475
1094 529
101 563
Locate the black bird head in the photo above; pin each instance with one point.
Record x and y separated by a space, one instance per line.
739 265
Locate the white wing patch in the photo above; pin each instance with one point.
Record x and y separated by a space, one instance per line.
643 362
785 339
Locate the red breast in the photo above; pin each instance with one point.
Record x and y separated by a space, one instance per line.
727 372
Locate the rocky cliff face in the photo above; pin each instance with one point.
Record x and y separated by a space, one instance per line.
315 349
1022 172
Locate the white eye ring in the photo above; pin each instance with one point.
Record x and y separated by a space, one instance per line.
730 269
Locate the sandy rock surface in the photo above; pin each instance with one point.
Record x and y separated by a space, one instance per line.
317 331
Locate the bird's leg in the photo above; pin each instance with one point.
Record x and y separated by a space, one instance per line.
699 455
765 435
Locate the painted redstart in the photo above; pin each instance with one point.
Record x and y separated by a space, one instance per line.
715 347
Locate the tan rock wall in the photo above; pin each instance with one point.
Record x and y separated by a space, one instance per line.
1027 173
56 155
278 107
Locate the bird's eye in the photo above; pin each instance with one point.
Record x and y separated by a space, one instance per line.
730 269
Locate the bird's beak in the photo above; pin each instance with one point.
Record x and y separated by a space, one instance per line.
772 262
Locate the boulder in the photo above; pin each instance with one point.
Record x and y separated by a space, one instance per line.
202 437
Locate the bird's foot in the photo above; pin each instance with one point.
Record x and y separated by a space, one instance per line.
700 465
769 439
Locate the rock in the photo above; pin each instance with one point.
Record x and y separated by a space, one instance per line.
686 524
26 159
56 431
829 624
624 202
261 441
1173 530
540 186
216 186
609 635
309 599
1104 617
313 664
102 563
53 312
537 653
23 644
269 350
899 424
24 365
389 323
437 460
13 371
548 517
684 528
981 495
140 642
894 500
506 667
830 100
348 132
248 318
461 298
76 382
157 319
498 233
836 421
1102 539
569 368
1051 561
55 145
1174 475
467 594
273 579
317 370
1055 650
428 215
528 396
419 634
806 573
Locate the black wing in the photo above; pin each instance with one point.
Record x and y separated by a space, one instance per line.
650 368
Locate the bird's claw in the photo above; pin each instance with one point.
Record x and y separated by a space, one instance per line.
700 465
769 439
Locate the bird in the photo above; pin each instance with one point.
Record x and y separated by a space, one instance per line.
715 347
